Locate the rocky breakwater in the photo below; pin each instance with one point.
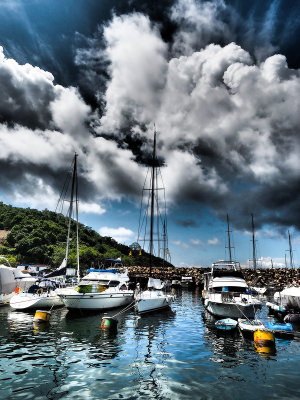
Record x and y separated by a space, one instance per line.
276 277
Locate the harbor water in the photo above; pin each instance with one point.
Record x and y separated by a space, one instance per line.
174 354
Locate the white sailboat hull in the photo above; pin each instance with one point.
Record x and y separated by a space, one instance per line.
4 298
27 301
149 301
74 300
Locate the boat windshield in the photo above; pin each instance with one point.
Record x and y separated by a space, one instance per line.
233 265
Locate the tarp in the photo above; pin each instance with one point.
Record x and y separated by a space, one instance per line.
155 283
7 280
114 271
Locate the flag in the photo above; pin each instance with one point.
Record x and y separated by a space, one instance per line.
168 252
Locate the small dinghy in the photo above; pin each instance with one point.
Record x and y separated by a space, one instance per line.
277 326
250 326
281 330
226 324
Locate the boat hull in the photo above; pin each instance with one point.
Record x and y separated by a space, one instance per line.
150 301
247 326
96 301
28 301
226 324
231 310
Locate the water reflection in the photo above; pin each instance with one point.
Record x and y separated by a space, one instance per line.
165 355
230 348
151 355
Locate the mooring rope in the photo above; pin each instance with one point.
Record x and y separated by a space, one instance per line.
125 309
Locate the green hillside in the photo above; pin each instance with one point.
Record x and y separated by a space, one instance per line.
39 237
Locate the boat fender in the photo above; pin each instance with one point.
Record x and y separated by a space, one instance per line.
40 291
17 289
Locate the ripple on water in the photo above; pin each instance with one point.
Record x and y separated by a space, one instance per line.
174 354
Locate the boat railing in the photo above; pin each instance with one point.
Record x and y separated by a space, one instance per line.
231 296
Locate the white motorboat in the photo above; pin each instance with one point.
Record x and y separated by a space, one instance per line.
187 282
41 294
154 298
226 293
99 290
250 326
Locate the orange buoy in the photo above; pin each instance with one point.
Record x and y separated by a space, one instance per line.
17 289
42 316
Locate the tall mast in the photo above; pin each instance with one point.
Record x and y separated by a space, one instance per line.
71 205
291 251
76 205
152 200
253 242
229 243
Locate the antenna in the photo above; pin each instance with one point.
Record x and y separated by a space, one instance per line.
253 243
291 251
229 243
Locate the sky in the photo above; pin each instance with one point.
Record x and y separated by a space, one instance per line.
219 80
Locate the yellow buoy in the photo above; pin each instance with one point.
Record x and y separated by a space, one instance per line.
42 316
264 342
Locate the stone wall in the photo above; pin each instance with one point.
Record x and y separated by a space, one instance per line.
279 277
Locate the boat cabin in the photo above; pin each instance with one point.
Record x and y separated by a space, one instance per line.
225 277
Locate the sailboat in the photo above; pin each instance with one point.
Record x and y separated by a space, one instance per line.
290 296
226 293
43 293
100 288
153 298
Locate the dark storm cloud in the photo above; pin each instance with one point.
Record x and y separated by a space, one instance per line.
226 108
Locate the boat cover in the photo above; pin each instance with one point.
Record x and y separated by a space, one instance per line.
155 283
291 291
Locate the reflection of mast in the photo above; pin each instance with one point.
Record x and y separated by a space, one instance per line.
291 252
229 243
253 243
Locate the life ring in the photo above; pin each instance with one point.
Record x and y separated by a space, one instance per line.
40 291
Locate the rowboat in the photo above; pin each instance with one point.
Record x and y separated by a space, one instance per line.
226 324
250 326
